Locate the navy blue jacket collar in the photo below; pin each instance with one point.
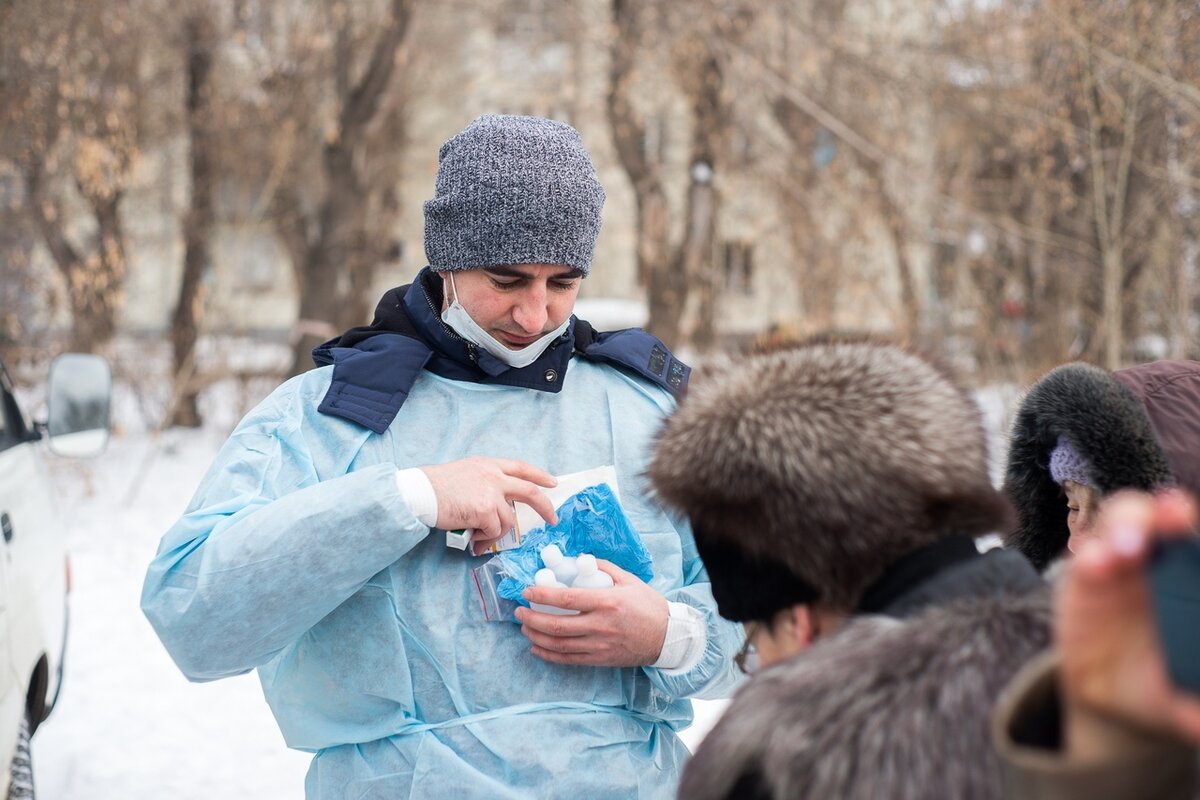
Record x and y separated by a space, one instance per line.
375 366
454 357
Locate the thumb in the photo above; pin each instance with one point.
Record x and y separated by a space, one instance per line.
618 575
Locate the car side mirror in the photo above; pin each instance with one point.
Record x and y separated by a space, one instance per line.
78 405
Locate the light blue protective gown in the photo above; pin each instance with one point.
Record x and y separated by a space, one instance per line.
298 557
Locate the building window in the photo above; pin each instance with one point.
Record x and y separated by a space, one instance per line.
739 266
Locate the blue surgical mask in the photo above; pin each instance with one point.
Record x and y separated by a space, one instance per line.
457 318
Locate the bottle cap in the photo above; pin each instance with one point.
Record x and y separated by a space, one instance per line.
551 555
545 577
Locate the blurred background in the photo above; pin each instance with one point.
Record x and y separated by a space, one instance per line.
1013 182
202 190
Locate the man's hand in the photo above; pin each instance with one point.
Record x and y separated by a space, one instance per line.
475 493
619 627
1112 660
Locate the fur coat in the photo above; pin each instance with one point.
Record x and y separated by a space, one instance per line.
883 708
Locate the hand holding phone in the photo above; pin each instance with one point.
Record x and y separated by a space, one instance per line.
1126 618
1175 587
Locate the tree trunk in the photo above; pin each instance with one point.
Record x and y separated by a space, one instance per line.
344 255
666 286
199 222
710 115
1184 203
893 217
94 280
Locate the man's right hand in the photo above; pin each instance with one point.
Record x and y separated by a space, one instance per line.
475 493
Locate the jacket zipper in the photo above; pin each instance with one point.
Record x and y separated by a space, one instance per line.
438 316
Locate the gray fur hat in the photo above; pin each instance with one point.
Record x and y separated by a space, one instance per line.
817 467
513 190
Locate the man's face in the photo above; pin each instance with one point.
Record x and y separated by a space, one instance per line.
516 304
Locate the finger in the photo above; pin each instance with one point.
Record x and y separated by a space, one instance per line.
551 624
532 496
1175 513
1126 520
491 529
507 516
570 659
488 531
558 644
618 575
1094 563
526 472
582 600
1187 717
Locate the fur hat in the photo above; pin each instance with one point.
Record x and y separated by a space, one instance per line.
828 461
1104 423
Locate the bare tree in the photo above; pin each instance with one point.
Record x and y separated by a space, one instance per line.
341 120
70 128
666 286
200 42
1074 133
853 129
674 272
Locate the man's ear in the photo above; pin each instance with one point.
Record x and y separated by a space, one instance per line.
801 625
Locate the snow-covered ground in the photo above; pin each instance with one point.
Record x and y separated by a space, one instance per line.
128 724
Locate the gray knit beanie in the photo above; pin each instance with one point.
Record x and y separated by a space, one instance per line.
513 190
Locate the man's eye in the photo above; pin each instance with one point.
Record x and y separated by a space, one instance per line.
504 284
563 286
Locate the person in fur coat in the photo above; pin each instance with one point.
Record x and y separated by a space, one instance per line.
834 490
1081 433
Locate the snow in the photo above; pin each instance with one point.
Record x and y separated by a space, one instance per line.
610 314
128 724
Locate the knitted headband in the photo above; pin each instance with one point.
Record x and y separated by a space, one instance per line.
1066 464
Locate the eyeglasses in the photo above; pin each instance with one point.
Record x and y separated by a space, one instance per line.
747 657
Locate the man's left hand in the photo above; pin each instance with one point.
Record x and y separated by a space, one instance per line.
619 627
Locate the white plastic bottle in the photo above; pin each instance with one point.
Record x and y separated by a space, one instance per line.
590 576
545 577
564 567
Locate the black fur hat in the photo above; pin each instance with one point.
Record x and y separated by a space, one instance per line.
1104 423
823 464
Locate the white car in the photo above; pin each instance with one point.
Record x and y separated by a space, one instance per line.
35 575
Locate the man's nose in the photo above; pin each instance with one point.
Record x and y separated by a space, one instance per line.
531 313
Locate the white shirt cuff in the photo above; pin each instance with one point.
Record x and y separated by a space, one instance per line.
687 636
418 494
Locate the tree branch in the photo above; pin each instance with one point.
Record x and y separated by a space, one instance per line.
364 99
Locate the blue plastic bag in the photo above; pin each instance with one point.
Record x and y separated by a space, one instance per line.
590 521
